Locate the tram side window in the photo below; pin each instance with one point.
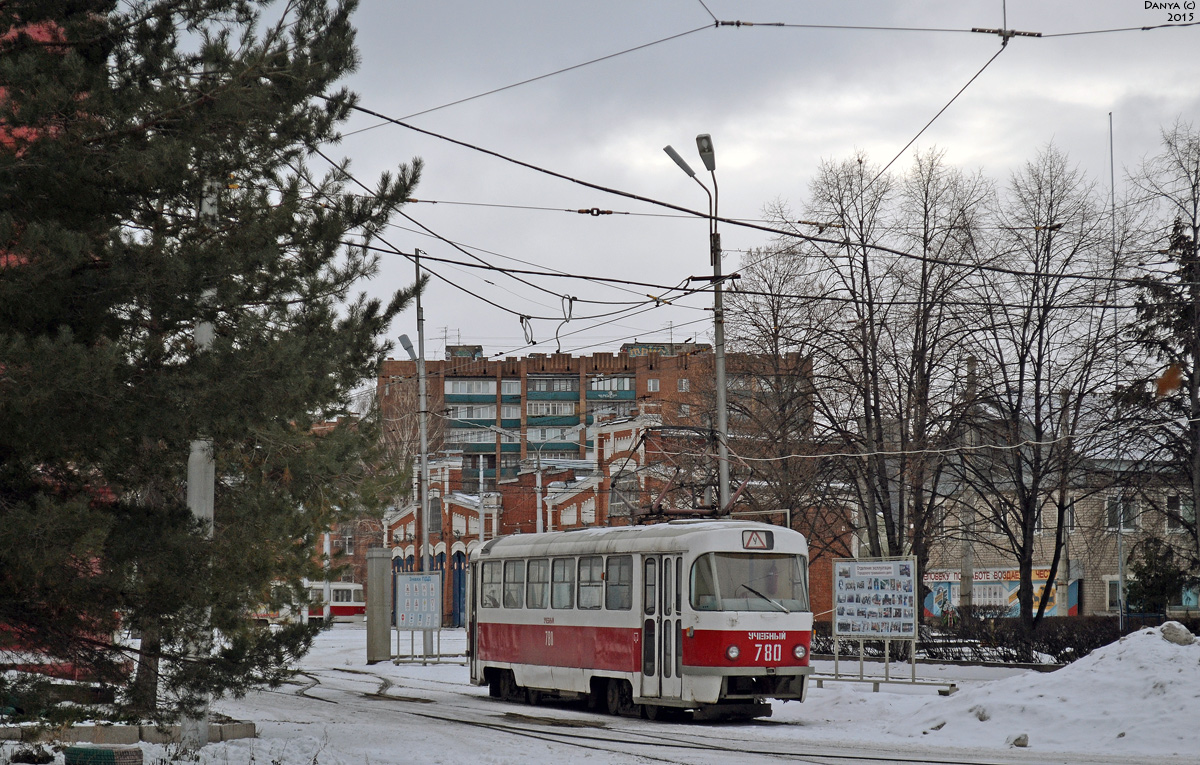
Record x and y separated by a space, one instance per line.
490 587
648 582
618 591
562 586
538 591
514 582
591 581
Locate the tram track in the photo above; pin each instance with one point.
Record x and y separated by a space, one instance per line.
596 733
567 731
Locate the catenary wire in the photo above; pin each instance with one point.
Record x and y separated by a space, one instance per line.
537 78
732 221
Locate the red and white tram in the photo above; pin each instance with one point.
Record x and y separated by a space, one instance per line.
707 616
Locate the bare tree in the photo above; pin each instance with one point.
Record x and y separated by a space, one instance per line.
771 398
1044 354
871 303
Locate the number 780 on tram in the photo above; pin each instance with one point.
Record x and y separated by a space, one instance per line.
711 617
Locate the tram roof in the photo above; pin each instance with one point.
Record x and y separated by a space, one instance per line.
674 536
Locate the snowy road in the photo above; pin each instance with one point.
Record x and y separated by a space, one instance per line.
341 711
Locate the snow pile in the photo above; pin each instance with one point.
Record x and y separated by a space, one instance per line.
1137 695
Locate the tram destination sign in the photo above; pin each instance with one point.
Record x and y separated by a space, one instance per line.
418 601
875 599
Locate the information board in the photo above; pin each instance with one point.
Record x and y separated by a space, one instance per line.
875 599
419 601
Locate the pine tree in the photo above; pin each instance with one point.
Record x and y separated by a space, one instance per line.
158 169
1167 402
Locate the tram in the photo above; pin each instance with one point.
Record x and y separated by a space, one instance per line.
706 617
347 603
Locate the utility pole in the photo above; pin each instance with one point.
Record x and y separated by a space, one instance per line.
422 385
201 488
1062 596
704 146
423 402
966 575
1116 387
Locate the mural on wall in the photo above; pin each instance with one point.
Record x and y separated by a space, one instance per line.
993 588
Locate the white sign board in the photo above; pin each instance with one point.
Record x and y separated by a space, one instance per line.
419 601
875 599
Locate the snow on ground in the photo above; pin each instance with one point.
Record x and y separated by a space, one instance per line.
1132 701
1140 695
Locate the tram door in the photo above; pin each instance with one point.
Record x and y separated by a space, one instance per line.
651 625
661 627
671 601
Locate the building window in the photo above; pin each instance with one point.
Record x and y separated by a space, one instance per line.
548 408
652 385
587 510
510 411
435 515
510 387
683 385
1047 519
606 409
550 434
471 387
685 410
1181 513
568 516
1113 586
478 436
348 544
610 383
1126 508
553 384
472 411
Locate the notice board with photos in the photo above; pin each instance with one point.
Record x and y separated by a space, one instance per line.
875 598
418 601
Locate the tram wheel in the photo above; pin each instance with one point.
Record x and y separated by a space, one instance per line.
509 690
533 697
612 697
651 711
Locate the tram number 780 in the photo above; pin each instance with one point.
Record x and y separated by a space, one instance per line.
768 652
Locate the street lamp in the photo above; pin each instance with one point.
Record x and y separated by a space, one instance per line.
704 145
419 357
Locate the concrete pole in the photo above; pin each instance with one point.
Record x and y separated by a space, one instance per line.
538 527
966 576
326 587
719 363
201 494
426 558
482 510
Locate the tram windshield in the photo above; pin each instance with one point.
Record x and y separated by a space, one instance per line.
750 582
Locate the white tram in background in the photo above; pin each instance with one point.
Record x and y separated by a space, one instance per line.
707 616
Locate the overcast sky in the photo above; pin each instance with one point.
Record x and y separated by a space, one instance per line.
776 100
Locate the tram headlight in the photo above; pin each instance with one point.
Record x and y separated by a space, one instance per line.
732 652
799 652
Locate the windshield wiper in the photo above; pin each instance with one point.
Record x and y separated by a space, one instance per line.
772 601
